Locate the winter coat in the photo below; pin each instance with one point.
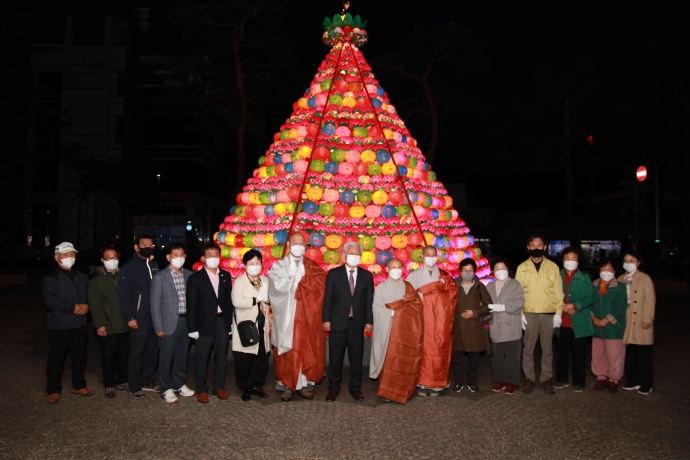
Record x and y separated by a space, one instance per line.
61 295
611 306
470 334
641 306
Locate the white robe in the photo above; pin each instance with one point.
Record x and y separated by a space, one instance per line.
386 292
283 279
421 277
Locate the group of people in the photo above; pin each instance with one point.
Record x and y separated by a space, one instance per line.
423 326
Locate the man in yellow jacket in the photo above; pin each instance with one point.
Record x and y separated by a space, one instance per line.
543 288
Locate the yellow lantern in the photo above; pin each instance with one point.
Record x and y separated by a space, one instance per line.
357 211
388 169
380 197
368 258
280 209
333 241
304 152
314 193
254 198
399 241
368 156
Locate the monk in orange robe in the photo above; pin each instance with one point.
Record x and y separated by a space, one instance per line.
439 294
296 290
396 350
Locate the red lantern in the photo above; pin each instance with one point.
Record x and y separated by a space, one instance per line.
341 210
314 254
360 169
403 255
414 239
395 197
293 192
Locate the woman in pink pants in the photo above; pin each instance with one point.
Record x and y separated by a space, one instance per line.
608 317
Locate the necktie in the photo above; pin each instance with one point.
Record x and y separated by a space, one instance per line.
352 287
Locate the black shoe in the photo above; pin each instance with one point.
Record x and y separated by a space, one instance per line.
246 396
473 388
258 392
458 388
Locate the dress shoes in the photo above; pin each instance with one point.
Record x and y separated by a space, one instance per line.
246 396
306 394
202 397
286 396
331 396
221 394
82 392
258 392
53 398
357 395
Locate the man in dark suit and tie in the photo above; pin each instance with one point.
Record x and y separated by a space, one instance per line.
347 315
209 321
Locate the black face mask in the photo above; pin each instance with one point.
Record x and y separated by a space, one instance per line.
145 252
536 253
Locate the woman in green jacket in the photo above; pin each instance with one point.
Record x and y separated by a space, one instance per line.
608 316
576 322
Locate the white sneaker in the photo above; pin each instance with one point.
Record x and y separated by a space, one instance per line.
185 391
169 396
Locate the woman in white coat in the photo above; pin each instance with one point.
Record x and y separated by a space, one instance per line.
250 299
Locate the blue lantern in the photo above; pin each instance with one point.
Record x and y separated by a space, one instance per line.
382 257
310 207
347 197
388 211
383 157
317 240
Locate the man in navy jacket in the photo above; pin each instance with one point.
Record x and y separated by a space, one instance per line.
135 299
65 294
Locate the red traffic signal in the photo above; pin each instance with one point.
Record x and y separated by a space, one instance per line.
641 174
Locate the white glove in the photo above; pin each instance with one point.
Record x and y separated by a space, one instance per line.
262 296
524 322
496 307
557 321
194 335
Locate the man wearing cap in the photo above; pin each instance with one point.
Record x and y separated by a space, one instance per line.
65 296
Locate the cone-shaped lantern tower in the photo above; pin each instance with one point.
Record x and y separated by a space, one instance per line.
345 168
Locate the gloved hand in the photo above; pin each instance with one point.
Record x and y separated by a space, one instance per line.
495 307
194 335
524 322
262 296
557 321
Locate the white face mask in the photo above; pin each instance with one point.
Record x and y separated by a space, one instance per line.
630 267
606 276
430 261
67 262
297 251
396 273
253 270
178 262
111 264
353 260
212 262
501 275
570 265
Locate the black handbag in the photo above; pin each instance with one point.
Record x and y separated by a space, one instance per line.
248 331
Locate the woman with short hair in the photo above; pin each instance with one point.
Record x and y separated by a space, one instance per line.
250 299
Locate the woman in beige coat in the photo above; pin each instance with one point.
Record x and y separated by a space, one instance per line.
639 327
250 299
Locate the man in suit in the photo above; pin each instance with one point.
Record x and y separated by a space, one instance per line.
347 315
169 315
209 321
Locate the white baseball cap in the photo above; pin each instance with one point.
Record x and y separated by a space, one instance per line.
64 248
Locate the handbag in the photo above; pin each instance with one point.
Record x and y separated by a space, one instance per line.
248 331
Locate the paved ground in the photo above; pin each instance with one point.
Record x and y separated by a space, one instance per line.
483 425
